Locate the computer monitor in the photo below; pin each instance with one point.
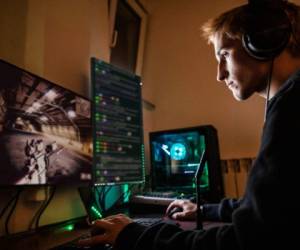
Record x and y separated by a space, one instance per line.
117 125
45 131
175 157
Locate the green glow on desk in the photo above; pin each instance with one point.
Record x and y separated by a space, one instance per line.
69 227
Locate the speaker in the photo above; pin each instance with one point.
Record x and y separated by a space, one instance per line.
268 29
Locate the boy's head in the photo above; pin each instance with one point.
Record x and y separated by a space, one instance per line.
265 27
248 38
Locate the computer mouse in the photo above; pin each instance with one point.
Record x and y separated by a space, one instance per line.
173 211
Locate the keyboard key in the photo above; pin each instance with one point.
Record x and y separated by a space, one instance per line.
147 221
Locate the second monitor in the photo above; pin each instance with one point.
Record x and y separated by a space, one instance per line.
117 125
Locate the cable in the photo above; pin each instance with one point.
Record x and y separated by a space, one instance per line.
16 198
268 89
43 207
198 174
105 193
122 196
101 196
38 211
8 204
100 202
107 190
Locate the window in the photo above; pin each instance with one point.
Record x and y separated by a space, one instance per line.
128 27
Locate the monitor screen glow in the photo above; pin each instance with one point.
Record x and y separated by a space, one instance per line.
45 131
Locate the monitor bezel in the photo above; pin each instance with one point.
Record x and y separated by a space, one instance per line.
93 63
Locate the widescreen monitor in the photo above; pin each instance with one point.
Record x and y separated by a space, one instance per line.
175 157
45 131
117 125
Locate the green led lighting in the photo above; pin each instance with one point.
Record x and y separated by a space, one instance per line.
126 190
96 211
69 227
143 160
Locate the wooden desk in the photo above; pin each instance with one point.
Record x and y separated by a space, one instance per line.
39 240
52 237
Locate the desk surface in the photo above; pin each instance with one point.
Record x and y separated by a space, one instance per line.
39 240
44 240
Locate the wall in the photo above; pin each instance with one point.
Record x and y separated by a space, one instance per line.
13 28
54 39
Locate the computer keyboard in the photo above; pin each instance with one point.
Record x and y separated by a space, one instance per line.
161 194
147 221
157 198
72 245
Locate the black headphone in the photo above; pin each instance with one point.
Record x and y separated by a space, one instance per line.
268 29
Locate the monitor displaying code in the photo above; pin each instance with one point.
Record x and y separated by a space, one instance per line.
118 125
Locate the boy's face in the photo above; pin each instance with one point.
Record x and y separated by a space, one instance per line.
242 74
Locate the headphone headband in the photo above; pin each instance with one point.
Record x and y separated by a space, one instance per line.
268 29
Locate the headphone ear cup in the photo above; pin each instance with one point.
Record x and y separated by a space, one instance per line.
266 45
267 34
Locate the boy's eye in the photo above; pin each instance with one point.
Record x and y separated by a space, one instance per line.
225 54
